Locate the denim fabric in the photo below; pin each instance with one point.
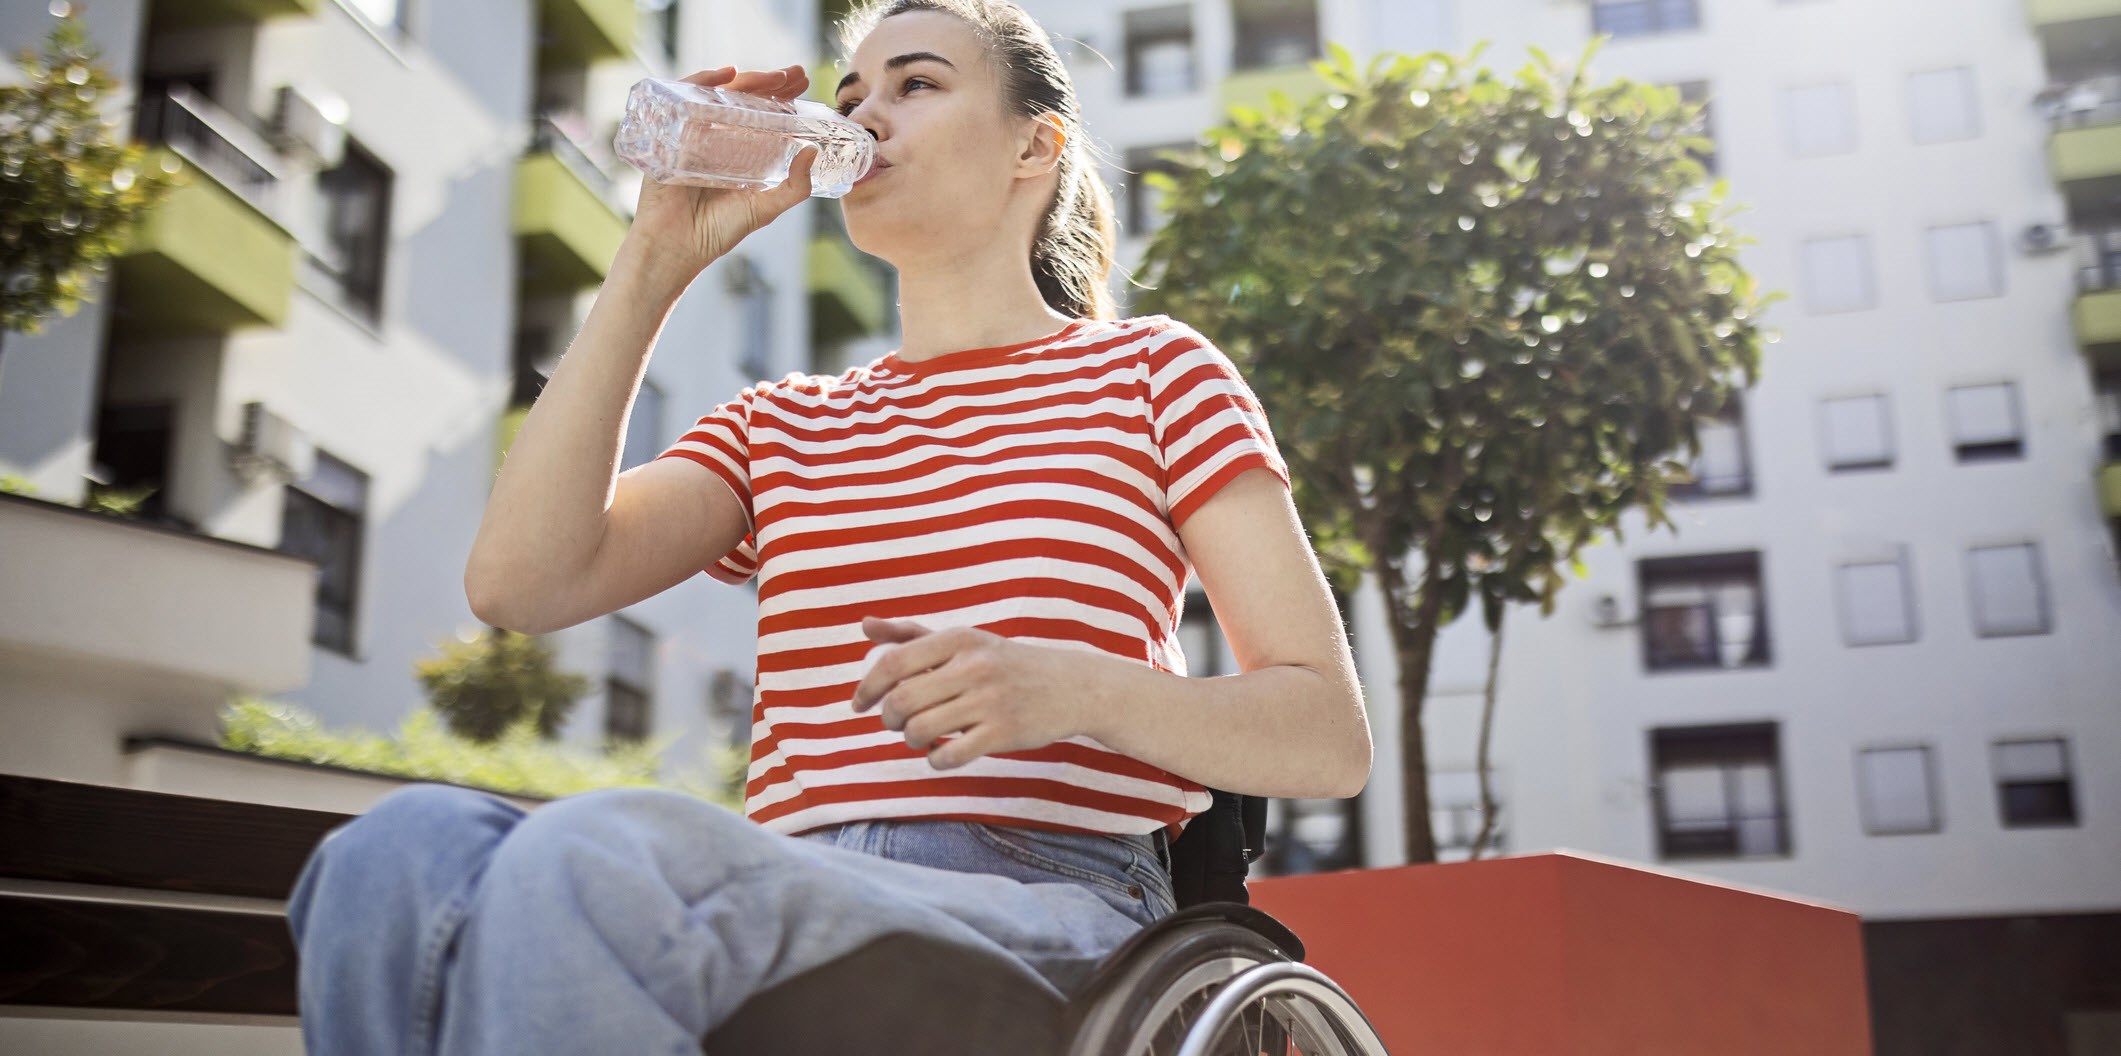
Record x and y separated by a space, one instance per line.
446 920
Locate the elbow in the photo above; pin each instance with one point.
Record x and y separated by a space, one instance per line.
1352 773
491 606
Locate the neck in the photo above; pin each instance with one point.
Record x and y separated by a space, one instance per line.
978 299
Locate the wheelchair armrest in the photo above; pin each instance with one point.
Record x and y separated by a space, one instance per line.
900 995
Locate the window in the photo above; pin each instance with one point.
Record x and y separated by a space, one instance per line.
1200 637
356 204
1837 274
1273 33
2108 387
1965 262
2009 591
322 519
1144 205
659 18
1312 836
1718 791
1703 126
1856 432
627 692
1454 813
1722 467
1942 105
1160 51
2033 785
1628 18
1899 791
133 444
1819 119
1705 611
1877 605
644 430
1984 422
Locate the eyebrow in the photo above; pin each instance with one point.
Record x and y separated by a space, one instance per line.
893 63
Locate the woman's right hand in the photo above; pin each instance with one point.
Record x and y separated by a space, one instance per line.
693 226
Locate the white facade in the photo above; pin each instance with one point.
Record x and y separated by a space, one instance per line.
410 397
1889 174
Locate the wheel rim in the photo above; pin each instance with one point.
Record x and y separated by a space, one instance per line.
1187 994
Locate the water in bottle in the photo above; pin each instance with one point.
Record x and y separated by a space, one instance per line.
679 132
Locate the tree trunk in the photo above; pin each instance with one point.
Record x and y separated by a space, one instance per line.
1414 642
1487 727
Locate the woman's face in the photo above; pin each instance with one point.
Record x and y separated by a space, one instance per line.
922 83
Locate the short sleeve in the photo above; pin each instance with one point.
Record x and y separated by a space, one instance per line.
721 441
1209 426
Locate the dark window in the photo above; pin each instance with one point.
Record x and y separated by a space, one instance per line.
534 363
1703 612
322 520
1273 33
1144 204
1703 126
2108 387
1313 836
1160 51
1627 18
1718 791
1724 466
628 690
356 227
2033 783
132 454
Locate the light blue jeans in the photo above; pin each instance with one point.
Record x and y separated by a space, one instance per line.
634 920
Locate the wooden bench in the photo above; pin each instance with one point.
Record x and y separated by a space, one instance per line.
124 899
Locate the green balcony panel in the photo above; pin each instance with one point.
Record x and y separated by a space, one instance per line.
580 32
568 233
2056 12
846 297
2110 490
193 13
2099 327
2086 153
204 261
1251 87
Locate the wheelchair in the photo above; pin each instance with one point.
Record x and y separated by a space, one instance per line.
1216 978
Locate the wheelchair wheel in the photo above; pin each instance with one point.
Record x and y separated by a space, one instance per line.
1280 1009
1167 986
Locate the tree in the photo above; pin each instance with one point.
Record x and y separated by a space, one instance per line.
1481 314
482 687
69 191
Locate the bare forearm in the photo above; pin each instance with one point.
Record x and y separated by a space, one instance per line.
546 513
1282 731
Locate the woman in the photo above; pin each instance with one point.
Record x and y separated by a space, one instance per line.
970 718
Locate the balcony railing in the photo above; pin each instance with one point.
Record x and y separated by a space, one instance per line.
2098 252
2082 103
216 141
547 136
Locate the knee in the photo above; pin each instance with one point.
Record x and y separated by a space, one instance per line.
630 822
415 820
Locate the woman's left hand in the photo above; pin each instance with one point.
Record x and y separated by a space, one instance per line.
997 695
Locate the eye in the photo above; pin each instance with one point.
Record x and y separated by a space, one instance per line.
911 81
848 107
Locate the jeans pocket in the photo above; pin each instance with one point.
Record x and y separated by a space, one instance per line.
1080 857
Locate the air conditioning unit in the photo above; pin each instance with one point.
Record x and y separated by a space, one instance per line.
272 445
311 123
2043 238
1608 612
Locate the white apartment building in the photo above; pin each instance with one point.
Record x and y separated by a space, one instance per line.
399 216
1877 666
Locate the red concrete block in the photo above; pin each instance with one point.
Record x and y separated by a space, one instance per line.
1570 953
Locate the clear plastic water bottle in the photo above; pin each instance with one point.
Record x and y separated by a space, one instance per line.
679 132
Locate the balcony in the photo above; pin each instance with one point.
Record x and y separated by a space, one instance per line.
564 221
574 33
195 13
2098 307
1251 87
2085 145
847 296
2110 489
212 257
2057 12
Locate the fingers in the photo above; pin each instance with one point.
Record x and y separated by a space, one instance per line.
926 727
788 82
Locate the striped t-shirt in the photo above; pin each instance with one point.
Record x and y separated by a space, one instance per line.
1032 491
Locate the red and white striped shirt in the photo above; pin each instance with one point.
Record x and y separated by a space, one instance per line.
1032 491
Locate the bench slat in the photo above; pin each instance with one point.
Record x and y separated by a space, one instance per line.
76 832
71 953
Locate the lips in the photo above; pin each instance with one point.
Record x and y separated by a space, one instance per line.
880 166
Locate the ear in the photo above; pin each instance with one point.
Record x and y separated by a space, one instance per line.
1046 139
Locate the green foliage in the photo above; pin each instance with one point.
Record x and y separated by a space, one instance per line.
117 501
483 686
520 761
16 484
69 191
1483 315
